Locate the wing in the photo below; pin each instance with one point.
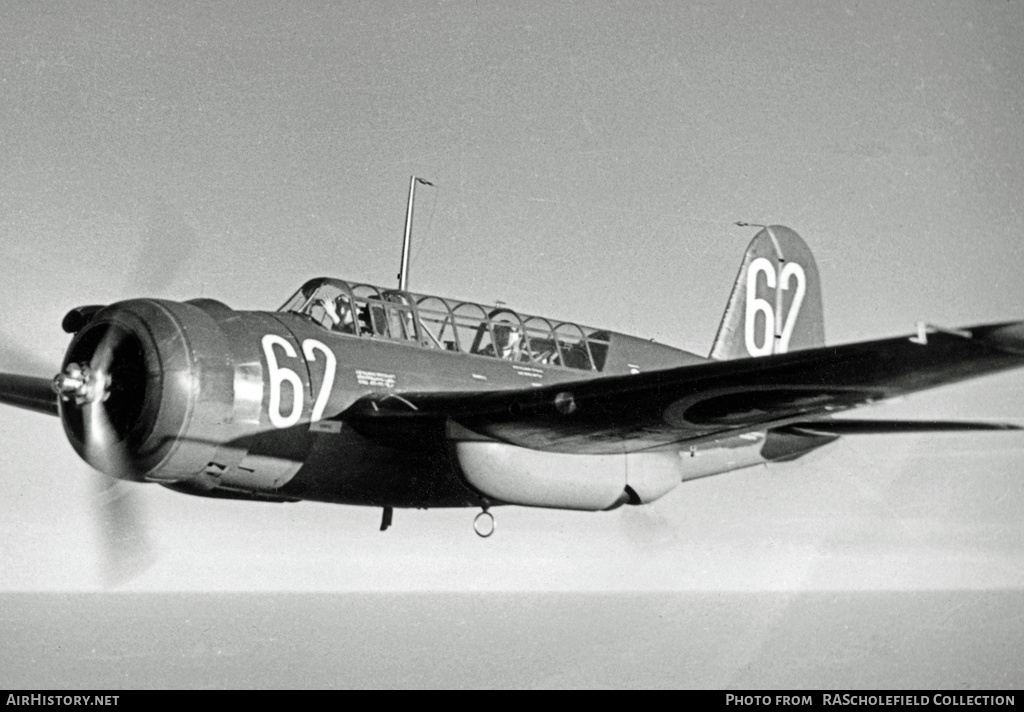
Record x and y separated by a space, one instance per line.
712 400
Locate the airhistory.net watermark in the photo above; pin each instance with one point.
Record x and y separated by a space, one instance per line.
62 700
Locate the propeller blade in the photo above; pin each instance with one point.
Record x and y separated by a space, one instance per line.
104 448
119 515
103 356
17 359
168 243
119 511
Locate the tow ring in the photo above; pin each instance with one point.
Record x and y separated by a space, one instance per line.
484 524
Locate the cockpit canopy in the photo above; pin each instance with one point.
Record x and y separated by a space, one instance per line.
366 311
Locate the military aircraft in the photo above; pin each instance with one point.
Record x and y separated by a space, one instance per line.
359 394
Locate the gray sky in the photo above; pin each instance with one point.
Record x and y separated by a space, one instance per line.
591 158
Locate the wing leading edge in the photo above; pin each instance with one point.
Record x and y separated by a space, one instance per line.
708 401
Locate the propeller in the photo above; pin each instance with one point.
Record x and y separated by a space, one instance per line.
117 506
168 241
120 519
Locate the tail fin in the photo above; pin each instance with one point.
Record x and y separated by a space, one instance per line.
775 304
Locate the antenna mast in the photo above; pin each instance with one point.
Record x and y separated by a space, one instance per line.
403 272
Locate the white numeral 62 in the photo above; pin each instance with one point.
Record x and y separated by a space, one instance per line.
281 374
772 338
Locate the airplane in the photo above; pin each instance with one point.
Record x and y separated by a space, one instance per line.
358 394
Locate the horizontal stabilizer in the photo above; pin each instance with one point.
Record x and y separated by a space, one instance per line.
891 427
29 392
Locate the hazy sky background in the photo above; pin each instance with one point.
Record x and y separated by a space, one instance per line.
590 159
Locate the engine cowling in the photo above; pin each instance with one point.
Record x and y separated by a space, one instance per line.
183 393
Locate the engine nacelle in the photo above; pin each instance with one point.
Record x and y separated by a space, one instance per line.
186 394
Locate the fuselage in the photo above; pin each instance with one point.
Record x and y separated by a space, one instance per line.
357 394
258 405
386 342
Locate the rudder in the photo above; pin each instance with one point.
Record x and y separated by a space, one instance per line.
775 305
